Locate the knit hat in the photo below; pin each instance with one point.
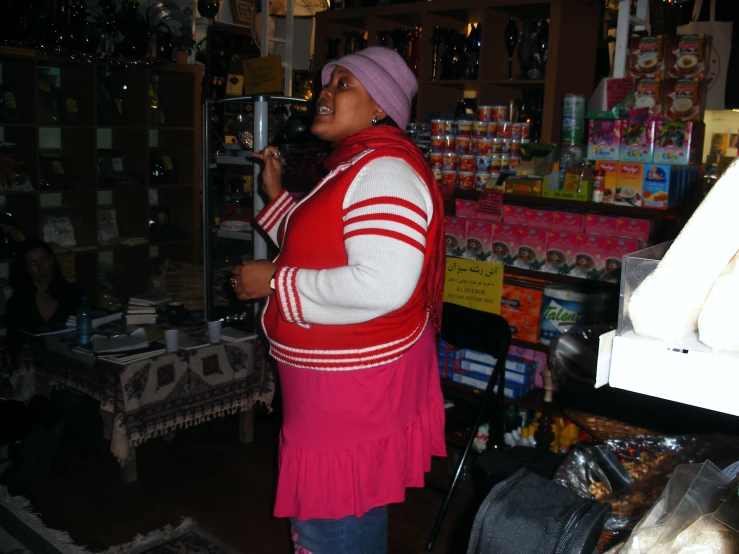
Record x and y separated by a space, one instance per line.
385 76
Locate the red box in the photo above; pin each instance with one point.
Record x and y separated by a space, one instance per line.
637 229
561 249
517 296
479 240
602 225
465 208
514 215
455 236
530 247
539 219
504 243
614 249
524 326
568 221
589 258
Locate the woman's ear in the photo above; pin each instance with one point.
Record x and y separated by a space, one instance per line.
379 114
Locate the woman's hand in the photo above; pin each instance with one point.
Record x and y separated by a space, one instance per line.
251 279
271 171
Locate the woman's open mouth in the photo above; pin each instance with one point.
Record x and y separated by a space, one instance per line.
324 110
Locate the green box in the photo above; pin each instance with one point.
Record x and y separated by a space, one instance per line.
585 195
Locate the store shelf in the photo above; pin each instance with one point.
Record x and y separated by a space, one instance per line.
233 160
539 347
516 82
557 278
533 400
235 235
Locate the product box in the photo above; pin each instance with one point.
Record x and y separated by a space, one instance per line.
647 57
639 230
561 248
516 295
523 326
684 99
678 142
479 240
611 171
504 243
649 95
687 56
485 371
465 208
660 186
614 249
471 360
455 236
480 382
514 215
539 219
604 139
568 221
637 142
538 358
530 246
602 225
629 184
589 260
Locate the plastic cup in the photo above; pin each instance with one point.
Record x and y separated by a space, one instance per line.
172 339
214 332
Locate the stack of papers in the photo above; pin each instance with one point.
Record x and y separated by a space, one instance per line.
141 315
137 355
229 334
122 343
148 300
98 319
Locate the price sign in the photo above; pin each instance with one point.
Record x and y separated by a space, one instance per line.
617 90
474 284
491 202
263 75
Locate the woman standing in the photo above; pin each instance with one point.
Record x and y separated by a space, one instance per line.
354 297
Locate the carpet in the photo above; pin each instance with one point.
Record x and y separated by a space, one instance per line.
23 532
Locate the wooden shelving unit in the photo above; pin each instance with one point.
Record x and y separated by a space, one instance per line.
135 134
573 39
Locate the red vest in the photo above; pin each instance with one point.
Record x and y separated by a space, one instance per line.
313 239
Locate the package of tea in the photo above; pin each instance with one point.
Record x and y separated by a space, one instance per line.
687 56
648 95
647 57
603 139
678 142
637 142
479 239
455 236
629 183
683 99
531 245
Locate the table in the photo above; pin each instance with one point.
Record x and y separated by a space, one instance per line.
155 396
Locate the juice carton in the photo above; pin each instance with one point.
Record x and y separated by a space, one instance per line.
683 99
604 138
504 243
568 221
638 229
515 215
539 219
611 171
614 249
629 184
479 240
660 186
589 258
455 236
531 246
561 247
678 142
637 142
465 208
516 294
649 95
601 225
687 56
523 326
647 57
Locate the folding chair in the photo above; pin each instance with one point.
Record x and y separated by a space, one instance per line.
487 333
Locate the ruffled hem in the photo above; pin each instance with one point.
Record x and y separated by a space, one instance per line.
331 483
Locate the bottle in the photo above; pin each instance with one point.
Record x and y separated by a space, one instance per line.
84 324
599 185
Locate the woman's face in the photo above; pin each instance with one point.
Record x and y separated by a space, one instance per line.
344 108
40 266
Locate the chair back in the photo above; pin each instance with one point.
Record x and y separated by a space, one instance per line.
481 331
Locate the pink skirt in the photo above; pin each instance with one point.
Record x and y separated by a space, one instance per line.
355 440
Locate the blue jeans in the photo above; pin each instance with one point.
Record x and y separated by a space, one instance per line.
348 535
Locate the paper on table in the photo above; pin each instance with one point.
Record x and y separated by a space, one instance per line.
230 334
135 341
190 343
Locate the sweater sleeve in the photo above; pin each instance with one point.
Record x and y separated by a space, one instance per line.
273 213
386 214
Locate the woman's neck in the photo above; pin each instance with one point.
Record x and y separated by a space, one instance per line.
42 288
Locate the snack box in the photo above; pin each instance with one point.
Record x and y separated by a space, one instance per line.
530 247
514 364
602 225
638 229
523 326
466 367
515 215
589 260
504 243
629 184
614 249
637 142
455 236
539 219
561 247
520 296
611 171
479 240
649 95
647 57
684 100
678 142
687 56
465 208
604 139
510 390
539 360
568 221
660 186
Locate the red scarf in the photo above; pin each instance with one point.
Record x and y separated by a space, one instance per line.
392 138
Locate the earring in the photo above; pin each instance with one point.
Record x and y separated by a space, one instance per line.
374 120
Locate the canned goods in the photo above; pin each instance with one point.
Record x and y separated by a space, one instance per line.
495 161
515 148
497 146
466 163
438 175
462 144
464 128
505 162
492 129
438 127
485 113
500 113
516 131
448 180
465 180
493 180
480 128
573 119
482 163
435 160
481 180
506 147
442 143
525 131
505 130
484 146
514 163
449 161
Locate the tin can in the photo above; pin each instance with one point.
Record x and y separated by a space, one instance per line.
435 160
465 180
497 146
438 174
500 113
481 180
495 161
573 119
505 130
506 147
485 113
449 161
493 180
442 143
515 148
448 180
505 162
515 161
492 129
516 131
480 128
462 144
482 163
525 131
464 128
466 163
484 146
438 127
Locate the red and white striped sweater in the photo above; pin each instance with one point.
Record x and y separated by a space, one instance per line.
347 292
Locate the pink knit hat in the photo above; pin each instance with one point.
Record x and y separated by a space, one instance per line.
385 76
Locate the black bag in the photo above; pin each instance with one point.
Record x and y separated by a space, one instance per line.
527 514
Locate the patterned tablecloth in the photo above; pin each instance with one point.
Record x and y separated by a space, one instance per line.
156 395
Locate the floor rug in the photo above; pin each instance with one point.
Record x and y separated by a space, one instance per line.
23 532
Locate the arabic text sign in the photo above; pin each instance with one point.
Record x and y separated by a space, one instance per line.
262 75
474 284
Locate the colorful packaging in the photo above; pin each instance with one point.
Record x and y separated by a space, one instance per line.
683 99
589 258
563 309
435 160
648 95
504 243
481 180
561 247
601 225
455 236
523 326
466 180
687 56
449 161
464 127
629 184
611 171
539 219
647 57
637 142
463 145
531 247
678 142
614 249
659 186
639 230
479 128
466 163
465 208
515 215
539 360
604 139
568 221
442 143
515 295
479 240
